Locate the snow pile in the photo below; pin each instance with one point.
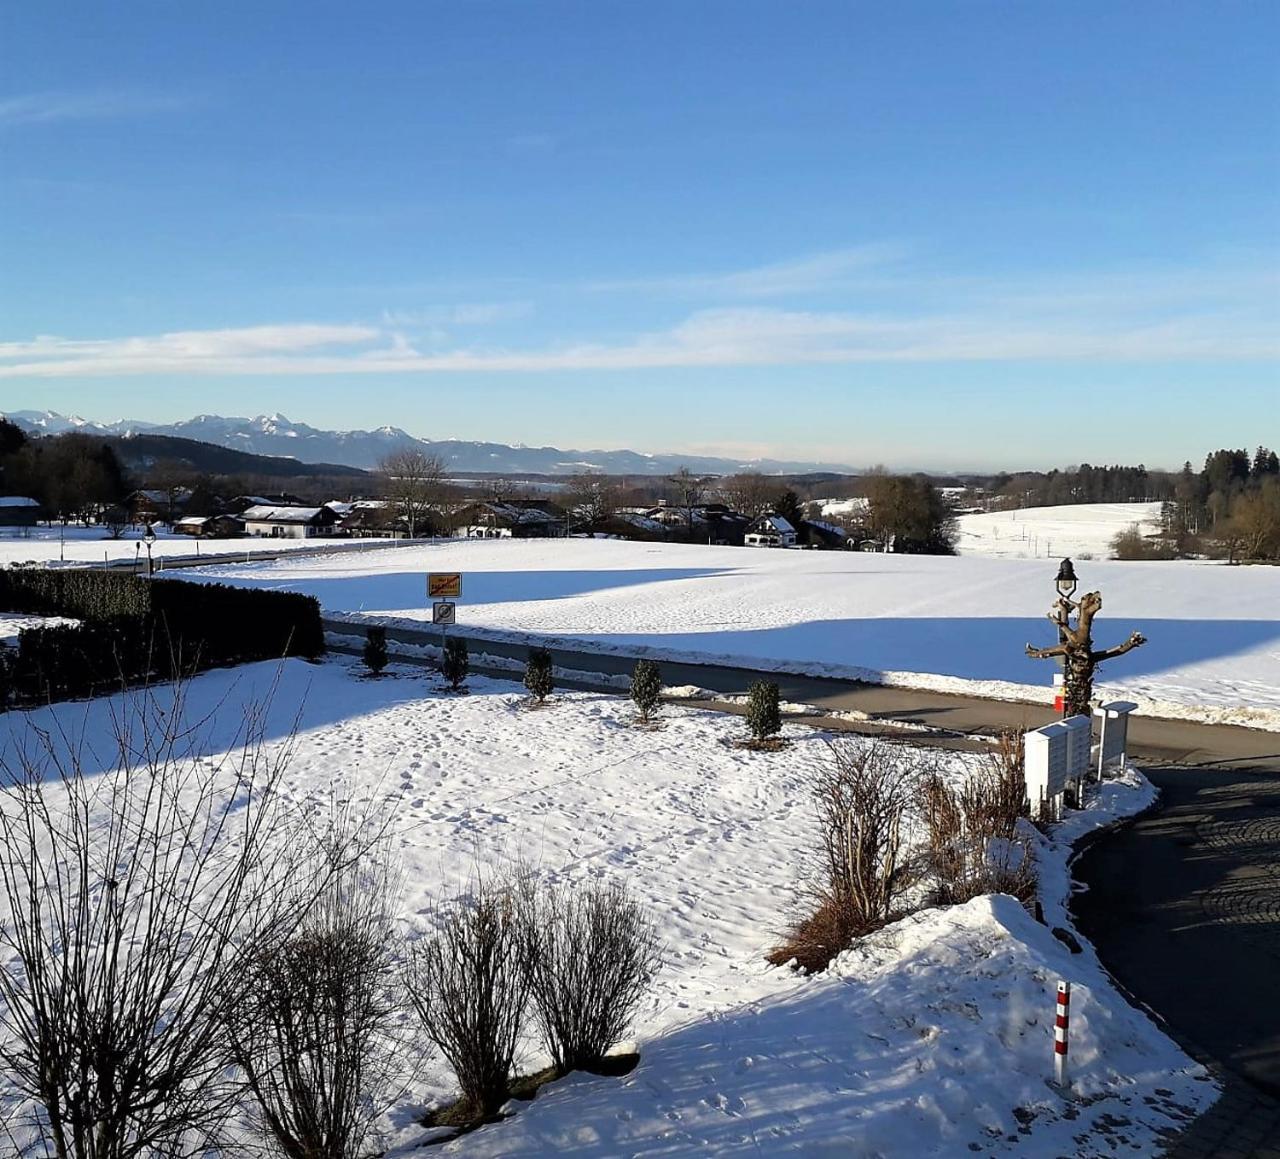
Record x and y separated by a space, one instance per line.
1082 530
947 624
932 1036
12 623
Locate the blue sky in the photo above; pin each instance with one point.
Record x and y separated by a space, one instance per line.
956 234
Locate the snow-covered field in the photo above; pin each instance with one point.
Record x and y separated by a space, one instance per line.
92 545
931 1038
949 624
1084 530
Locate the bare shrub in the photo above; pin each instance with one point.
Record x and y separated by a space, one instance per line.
130 897
864 796
592 952
469 986
315 1033
974 845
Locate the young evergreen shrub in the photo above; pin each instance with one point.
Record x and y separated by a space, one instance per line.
764 717
375 649
537 674
455 664
646 687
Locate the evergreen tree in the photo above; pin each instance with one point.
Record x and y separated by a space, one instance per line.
764 715
375 650
455 664
646 687
537 674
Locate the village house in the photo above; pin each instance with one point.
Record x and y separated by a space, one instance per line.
210 526
18 511
288 522
510 519
770 531
821 534
702 523
158 505
370 519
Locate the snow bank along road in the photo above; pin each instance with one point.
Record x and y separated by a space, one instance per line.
871 708
956 625
932 1038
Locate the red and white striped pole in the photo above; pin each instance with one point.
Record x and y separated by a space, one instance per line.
1060 1026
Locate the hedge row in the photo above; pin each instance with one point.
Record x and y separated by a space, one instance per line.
75 592
171 628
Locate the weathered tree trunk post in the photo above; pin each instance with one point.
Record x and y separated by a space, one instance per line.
1075 646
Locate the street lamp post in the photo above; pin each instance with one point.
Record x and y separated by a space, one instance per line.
149 539
1065 584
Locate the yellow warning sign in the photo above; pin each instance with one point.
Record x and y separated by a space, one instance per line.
444 585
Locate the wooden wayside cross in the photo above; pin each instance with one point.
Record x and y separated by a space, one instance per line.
1075 646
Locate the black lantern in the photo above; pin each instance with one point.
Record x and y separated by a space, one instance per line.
1066 581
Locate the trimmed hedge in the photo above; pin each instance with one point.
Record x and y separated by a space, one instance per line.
75 592
168 628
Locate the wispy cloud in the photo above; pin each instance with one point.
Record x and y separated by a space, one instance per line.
1212 315
464 314
822 271
52 107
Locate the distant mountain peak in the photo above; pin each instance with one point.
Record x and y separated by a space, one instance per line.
278 436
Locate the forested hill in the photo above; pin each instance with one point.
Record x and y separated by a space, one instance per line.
142 452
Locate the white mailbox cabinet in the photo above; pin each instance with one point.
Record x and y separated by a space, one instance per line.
1113 741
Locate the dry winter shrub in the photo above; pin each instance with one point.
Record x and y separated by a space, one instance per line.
129 901
974 846
864 798
592 952
469 986
315 1033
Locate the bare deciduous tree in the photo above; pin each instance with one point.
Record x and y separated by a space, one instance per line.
130 900
689 489
1075 646
591 499
751 493
414 482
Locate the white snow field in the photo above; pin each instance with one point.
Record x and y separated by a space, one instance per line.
933 1038
945 623
1086 529
92 545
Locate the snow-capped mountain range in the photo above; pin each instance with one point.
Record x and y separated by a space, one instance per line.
277 435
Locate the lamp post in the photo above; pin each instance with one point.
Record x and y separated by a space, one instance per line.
149 539
1065 584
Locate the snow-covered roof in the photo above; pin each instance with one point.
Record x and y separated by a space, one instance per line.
516 514
340 508
830 528
281 514
780 525
17 501
152 495
192 521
